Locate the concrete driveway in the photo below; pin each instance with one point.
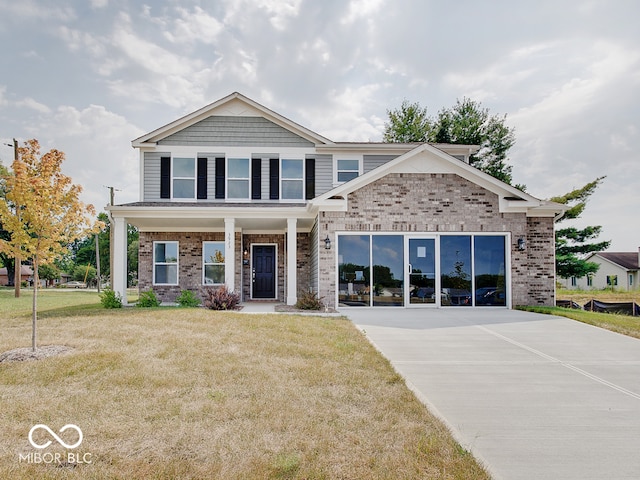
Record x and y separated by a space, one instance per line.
532 396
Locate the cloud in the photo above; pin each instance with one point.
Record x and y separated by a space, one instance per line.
97 146
33 105
194 26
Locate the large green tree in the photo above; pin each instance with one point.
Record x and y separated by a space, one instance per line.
573 244
467 122
407 124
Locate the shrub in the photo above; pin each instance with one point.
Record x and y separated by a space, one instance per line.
148 299
110 299
220 298
187 299
309 301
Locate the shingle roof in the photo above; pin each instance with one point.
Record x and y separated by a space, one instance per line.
628 260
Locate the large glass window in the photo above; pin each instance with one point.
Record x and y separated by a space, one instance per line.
165 263
489 270
238 178
292 186
388 270
347 170
184 177
455 270
213 263
354 270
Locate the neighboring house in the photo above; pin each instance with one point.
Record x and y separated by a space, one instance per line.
618 270
237 194
26 274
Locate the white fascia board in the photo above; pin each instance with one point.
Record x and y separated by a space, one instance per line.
207 212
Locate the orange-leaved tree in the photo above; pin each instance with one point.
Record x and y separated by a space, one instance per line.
42 212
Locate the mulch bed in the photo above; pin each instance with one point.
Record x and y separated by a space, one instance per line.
26 354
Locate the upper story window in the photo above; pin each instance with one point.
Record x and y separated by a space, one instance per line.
292 179
347 169
238 175
165 263
184 177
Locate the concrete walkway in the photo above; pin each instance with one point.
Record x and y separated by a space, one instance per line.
532 396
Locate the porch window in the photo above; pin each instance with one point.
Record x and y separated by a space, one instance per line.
489 255
184 177
238 178
455 267
292 186
213 263
165 263
347 169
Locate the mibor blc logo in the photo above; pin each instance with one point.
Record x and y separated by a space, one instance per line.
56 457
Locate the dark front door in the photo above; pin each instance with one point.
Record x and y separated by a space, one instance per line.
264 271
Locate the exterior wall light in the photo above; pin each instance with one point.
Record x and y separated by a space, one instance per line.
521 244
327 243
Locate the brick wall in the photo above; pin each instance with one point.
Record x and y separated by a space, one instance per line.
189 261
406 203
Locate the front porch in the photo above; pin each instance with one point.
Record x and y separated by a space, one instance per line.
266 256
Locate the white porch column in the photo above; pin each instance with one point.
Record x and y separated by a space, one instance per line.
230 253
119 273
292 281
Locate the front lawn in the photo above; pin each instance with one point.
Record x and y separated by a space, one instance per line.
625 324
190 393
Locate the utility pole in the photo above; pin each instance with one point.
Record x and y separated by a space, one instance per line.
98 261
17 264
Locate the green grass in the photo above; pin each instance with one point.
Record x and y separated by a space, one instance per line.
170 393
625 324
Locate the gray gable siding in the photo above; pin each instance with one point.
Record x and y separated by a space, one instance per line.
374 161
236 131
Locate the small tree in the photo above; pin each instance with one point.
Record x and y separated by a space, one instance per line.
572 244
41 211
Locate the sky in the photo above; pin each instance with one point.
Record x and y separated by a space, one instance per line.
88 76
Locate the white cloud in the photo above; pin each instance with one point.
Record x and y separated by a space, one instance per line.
359 9
31 9
33 105
279 12
97 146
195 26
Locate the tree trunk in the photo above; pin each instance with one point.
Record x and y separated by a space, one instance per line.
34 314
17 265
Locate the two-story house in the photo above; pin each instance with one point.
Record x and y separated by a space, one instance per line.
237 194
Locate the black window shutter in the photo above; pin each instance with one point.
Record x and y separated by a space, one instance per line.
220 177
310 178
256 178
202 178
274 179
165 177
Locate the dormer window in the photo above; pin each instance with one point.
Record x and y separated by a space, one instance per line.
347 168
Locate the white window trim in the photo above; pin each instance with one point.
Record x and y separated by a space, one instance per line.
360 160
194 178
228 177
205 263
177 262
301 180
